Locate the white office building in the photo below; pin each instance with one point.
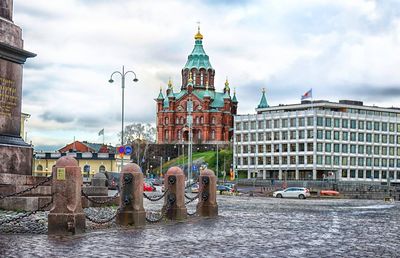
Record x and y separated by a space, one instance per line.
319 140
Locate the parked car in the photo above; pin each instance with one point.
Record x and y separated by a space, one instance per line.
329 193
148 187
292 192
195 188
112 180
224 188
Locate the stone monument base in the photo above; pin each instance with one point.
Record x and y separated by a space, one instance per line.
16 159
60 223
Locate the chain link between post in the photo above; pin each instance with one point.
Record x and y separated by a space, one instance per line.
28 189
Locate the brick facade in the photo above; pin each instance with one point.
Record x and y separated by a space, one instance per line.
212 111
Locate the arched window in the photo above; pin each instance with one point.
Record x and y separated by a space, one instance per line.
194 77
201 120
39 168
197 120
86 168
199 135
177 120
213 120
201 79
166 135
102 169
213 134
166 120
179 134
182 120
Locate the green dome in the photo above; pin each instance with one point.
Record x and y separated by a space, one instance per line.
198 58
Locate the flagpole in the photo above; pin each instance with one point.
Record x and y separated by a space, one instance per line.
103 136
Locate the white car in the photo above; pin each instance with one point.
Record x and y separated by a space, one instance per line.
292 192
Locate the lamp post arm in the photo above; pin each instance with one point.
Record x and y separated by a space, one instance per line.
111 76
130 72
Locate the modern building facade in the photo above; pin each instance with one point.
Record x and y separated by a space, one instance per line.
212 112
319 140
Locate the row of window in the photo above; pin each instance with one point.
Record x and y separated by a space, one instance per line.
321 147
182 120
197 135
86 168
321 121
321 135
373 174
321 160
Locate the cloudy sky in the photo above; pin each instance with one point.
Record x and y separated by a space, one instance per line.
341 49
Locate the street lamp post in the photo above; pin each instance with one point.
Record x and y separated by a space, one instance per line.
122 74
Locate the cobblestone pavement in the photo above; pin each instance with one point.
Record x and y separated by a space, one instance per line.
246 227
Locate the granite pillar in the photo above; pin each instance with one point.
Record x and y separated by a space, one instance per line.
174 201
66 215
207 205
132 212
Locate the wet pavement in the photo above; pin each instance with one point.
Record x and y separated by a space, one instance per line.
246 227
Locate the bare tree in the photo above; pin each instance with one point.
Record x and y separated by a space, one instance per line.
139 136
139 132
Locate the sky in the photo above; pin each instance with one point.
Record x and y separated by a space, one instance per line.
341 49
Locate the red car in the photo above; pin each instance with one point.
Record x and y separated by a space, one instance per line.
147 187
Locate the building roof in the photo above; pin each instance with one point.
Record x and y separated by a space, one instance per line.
341 106
263 101
78 146
198 58
234 99
160 95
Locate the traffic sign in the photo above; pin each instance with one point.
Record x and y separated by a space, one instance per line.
121 149
128 150
194 168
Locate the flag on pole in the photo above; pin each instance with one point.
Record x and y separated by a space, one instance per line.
307 95
101 132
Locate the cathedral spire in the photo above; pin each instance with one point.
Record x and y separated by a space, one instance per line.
263 101
234 99
198 36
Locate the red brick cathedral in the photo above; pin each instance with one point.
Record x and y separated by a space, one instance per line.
212 112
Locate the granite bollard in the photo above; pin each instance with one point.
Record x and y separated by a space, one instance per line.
131 208
66 215
207 205
174 201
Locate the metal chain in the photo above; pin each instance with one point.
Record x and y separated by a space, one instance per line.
100 202
27 189
162 214
191 185
155 198
98 221
191 214
20 217
122 205
191 199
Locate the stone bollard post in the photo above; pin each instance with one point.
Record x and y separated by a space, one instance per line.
131 207
207 205
174 201
66 215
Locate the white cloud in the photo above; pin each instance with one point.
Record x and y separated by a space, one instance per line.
286 46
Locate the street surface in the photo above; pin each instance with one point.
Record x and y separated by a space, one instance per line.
246 227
